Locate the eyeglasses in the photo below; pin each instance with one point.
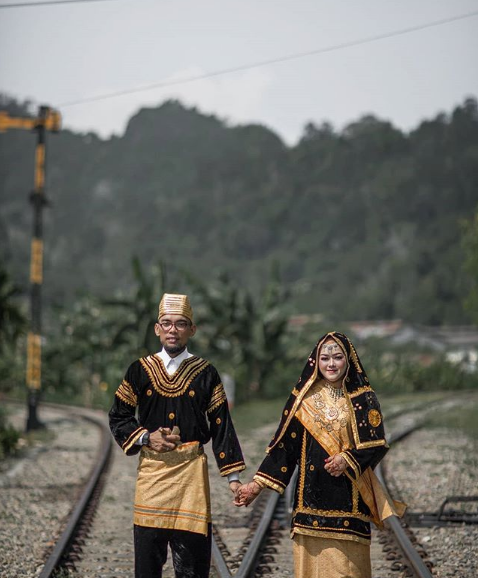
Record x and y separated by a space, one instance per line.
179 325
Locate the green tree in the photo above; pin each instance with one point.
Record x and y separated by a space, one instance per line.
12 320
470 247
136 323
13 325
244 332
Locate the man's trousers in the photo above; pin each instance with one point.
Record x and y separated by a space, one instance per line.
191 552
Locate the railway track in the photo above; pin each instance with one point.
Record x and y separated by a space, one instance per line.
247 542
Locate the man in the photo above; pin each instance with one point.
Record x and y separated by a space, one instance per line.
181 406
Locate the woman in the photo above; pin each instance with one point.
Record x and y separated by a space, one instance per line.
332 428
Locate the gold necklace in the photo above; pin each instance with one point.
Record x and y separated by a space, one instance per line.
335 392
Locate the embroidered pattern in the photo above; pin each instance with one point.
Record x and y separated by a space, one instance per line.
354 357
361 390
132 439
218 397
236 467
177 383
331 513
270 482
332 416
125 393
374 418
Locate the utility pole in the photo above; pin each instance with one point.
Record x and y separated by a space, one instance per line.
47 120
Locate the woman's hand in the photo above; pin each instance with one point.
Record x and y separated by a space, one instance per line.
335 465
247 493
163 440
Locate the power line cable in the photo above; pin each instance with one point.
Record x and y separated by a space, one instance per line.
49 3
259 64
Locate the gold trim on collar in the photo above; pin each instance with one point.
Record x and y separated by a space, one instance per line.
177 383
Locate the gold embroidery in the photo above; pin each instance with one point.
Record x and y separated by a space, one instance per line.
192 393
218 397
218 421
351 463
331 513
303 458
335 534
328 414
149 392
171 415
354 357
361 390
355 499
125 393
374 417
271 482
364 445
283 469
177 383
222 455
236 467
132 439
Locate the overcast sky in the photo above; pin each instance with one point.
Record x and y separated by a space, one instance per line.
58 54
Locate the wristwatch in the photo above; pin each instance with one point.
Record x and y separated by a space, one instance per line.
145 440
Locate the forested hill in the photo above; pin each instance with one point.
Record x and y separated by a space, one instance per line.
363 222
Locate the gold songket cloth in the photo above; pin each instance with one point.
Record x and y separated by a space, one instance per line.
172 489
329 558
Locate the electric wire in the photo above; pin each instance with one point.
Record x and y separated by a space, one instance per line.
258 64
49 3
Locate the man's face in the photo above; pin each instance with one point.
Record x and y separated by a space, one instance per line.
174 332
332 361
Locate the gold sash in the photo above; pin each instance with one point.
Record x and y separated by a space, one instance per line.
172 489
373 493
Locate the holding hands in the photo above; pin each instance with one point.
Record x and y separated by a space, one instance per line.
245 494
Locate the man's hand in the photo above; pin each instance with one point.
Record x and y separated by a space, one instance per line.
163 440
247 493
335 465
234 487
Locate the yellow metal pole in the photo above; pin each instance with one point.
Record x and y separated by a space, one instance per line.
48 119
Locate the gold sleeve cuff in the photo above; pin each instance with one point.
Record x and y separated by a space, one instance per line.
133 438
352 464
230 468
267 482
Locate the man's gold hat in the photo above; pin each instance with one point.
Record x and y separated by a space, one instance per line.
172 304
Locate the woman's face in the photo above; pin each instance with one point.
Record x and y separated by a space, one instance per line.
332 361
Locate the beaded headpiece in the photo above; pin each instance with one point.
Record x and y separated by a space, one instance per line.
172 304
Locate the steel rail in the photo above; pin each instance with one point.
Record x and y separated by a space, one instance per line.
61 546
250 558
418 565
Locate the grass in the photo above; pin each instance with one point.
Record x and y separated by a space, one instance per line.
257 413
463 418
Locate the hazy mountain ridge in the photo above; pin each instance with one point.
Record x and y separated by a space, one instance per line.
369 209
